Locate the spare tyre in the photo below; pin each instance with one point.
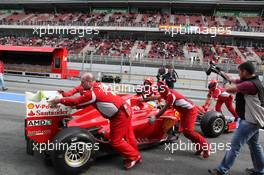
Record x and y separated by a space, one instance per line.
117 79
110 79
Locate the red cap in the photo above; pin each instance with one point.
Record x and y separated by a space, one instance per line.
212 84
150 80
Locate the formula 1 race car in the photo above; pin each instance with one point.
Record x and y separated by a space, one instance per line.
64 138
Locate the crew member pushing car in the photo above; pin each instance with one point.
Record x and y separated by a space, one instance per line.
188 116
112 107
220 94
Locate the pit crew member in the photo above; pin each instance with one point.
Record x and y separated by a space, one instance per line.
220 94
112 107
188 113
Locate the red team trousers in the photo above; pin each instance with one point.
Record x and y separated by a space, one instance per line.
122 136
188 119
229 104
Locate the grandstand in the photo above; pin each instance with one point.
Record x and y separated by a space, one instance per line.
132 30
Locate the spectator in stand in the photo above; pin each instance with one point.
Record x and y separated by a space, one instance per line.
2 83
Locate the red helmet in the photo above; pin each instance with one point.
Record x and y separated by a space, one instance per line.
149 80
212 84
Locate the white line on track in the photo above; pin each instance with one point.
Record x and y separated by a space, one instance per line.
13 101
12 93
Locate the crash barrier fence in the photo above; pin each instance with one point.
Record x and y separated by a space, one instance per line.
117 76
127 83
121 75
177 62
119 82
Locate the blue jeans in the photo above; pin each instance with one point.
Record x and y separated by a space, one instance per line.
2 83
245 133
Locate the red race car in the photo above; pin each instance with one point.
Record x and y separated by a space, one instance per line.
73 141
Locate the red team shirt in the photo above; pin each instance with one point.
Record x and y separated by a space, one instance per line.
218 92
2 67
106 102
178 101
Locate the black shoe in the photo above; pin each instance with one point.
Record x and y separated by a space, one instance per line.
4 89
216 172
251 171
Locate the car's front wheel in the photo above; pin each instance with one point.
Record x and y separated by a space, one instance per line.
213 124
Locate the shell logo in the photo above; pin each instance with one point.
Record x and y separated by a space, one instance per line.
30 106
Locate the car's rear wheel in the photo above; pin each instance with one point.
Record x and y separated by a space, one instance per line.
79 157
213 124
76 150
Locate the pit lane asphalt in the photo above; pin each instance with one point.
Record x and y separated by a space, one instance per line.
14 161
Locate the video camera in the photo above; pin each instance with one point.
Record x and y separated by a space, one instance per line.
214 68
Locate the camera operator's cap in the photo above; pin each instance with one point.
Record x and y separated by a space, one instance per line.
212 84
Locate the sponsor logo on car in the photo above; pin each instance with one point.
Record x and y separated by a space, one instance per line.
39 122
45 110
30 106
31 114
37 133
38 105
41 106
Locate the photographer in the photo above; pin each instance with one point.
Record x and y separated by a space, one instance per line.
170 77
250 108
161 73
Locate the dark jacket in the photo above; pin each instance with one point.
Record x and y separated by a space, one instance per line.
240 99
170 79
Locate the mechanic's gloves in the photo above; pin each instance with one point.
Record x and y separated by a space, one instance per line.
152 120
53 102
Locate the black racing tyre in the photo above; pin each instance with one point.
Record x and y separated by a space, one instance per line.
213 124
117 79
104 79
110 79
75 151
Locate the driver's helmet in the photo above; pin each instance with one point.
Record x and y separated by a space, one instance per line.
212 84
163 88
149 81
